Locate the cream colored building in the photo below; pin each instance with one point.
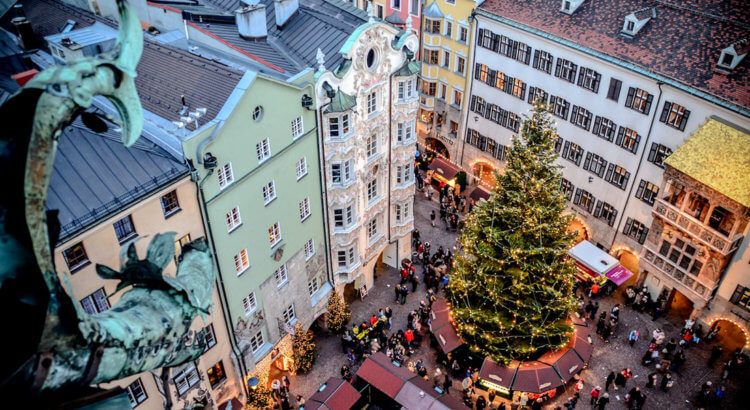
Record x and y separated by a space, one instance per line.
109 197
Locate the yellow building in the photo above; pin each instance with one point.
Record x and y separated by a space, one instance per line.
446 50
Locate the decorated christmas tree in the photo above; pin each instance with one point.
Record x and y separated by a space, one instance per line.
338 314
303 349
511 291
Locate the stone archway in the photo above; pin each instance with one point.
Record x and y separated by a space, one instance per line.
629 259
582 230
484 171
731 334
435 145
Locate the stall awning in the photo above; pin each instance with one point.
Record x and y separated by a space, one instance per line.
334 394
581 342
566 361
380 378
536 377
442 328
444 168
619 274
448 339
498 375
479 193
593 258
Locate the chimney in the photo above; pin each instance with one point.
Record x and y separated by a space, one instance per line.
251 21
24 31
285 11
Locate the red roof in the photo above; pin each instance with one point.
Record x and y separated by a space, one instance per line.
683 42
536 377
337 394
497 374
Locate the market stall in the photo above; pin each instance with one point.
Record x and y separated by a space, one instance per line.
593 264
480 193
444 171
335 393
443 332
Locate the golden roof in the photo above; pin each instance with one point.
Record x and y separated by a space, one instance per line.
717 155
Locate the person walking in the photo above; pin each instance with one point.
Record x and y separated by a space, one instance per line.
603 401
652 380
667 382
633 337
620 379
609 381
491 397
595 392
432 218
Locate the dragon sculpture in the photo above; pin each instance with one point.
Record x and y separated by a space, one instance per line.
59 350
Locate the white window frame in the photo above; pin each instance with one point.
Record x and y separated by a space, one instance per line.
301 168
281 275
372 190
289 315
257 341
453 97
372 228
446 32
269 192
97 300
304 209
393 4
274 230
342 126
298 128
249 304
241 262
372 103
457 70
402 212
225 175
189 375
446 59
136 400
263 150
348 217
309 249
233 218
350 257
461 30
371 146
313 286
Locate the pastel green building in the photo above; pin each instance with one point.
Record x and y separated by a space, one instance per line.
256 167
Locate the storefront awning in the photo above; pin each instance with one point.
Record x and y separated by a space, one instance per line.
593 258
335 393
619 274
536 377
480 193
496 376
444 168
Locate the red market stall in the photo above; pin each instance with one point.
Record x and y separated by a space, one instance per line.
596 265
480 193
444 171
334 394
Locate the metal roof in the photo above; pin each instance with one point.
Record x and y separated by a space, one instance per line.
433 11
94 34
341 102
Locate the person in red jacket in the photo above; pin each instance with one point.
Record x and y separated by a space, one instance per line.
409 336
595 394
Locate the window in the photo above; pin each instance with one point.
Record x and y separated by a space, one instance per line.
566 70
256 342
343 217
628 139
297 129
379 11
372 228
630 26
241 262
589 79
341 172
741 297
567 188
524 53
477 105
403 174
234 219
519 89
559 107
618 176
596 164
647 192
274 234
249 304
432 26
584 199
604 128
606 212
639 100
186 378
289 315
225 175
346 258
415 7
486 39
448 29
658 153
269 192
372 103
614 89
443 91
453 129
536 93
281 275
460 65
446 59
402 212
75 257
543 61
674 115
405 90
463 34
404 132
216 374
338 127
169 203
428 88
396 4
481 73
431 56
572 152
257 113
304 209
136 393
263 149
372 145
301 168
309 249
96 302
313 286
581 117
635 230
457 97
372 190
124 229
209 337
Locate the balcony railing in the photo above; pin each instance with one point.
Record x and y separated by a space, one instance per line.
689 284
705 234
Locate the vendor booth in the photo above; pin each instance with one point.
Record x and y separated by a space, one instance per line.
593 264
480 193
445 337
334 394
444 171
391 386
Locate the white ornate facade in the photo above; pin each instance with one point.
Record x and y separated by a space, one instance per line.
368 107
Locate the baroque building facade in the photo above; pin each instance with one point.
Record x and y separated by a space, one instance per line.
367 106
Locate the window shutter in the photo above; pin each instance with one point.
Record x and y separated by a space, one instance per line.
641 188
565 111
618 86
737 295
495 42
684 120
566 147
612 217
588 161
528 55
642 236
628 226
558 67
602 168
629 99
488 110
573 73
531 95
652 153
480 36
610 169
620 135
574 114
665 111
473 103
578 159
648 104
536 59
625 180
637 142
580 78
577 198
597 80
597 125
598 210
523 91
477 71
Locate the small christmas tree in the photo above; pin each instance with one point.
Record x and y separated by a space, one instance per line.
303 349
338 314
512 287
259 397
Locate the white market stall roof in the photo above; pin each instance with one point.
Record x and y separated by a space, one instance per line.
593 258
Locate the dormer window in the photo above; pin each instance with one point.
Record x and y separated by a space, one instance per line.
570 6
731 56
636 20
